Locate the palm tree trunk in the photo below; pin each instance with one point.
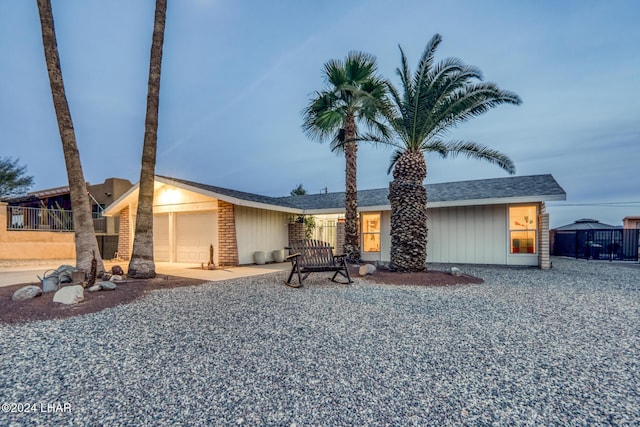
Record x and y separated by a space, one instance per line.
351 238
142 265
85 238
408 198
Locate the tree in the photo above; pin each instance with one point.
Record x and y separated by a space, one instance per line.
298 191
355 95
436 98
142 265
13 178
85 238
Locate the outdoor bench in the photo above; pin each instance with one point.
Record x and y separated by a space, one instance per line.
315 256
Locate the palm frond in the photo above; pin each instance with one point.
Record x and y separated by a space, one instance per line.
472 150
394 159
438 97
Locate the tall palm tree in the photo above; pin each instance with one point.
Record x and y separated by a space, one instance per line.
354 94
436 98
142 265
85 238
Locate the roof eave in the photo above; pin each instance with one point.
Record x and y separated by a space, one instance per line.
448 203
497 201
124 200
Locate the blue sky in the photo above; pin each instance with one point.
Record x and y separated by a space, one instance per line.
236 75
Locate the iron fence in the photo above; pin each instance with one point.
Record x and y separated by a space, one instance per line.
108 246
38 219
614 244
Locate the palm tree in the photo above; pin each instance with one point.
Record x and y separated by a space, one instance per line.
355 94
438 97
85 238
142 265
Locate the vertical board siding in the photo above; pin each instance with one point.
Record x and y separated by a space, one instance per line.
259 230
469 234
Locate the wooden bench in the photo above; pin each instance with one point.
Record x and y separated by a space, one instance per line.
314 256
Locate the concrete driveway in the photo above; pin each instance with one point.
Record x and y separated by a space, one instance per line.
29 273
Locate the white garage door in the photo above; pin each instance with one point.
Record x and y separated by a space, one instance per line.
195 232
161 237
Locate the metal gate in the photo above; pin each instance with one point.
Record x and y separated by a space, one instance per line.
108 246
609 244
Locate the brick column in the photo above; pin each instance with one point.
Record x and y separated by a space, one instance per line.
544 261
296 232
227 242
124 235
340 237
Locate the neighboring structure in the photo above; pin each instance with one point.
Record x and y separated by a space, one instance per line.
631 222
490 221
586 224
590 239
44 216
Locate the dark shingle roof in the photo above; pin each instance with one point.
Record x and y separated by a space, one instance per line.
251 197
587 224
496 188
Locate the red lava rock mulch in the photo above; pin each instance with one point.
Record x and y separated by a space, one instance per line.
43 307
423 278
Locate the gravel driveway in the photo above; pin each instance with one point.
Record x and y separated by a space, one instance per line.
527 347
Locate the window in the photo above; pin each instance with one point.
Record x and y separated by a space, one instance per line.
523 226
370 232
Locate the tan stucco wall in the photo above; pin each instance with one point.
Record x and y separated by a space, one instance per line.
631 222
22 245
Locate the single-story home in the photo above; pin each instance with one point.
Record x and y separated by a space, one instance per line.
489 221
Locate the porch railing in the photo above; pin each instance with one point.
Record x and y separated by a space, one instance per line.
38 219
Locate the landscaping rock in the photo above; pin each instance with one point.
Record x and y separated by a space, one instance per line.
455 271
107 276
27 292
107 286
117 270
116 278
95 288
69 295
367 269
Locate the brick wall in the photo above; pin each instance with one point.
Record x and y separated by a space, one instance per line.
124 236
340 237
296 232
227 242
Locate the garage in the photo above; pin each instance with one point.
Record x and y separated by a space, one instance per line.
161 248
187 239
195 232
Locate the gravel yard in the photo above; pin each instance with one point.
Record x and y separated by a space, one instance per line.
527 347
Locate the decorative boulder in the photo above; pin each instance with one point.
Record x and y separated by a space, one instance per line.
106 276
117 270
27 292
455 271
115 278
95 288
107 286
69 295
367 269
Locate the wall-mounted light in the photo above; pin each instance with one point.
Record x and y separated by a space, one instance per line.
169 196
